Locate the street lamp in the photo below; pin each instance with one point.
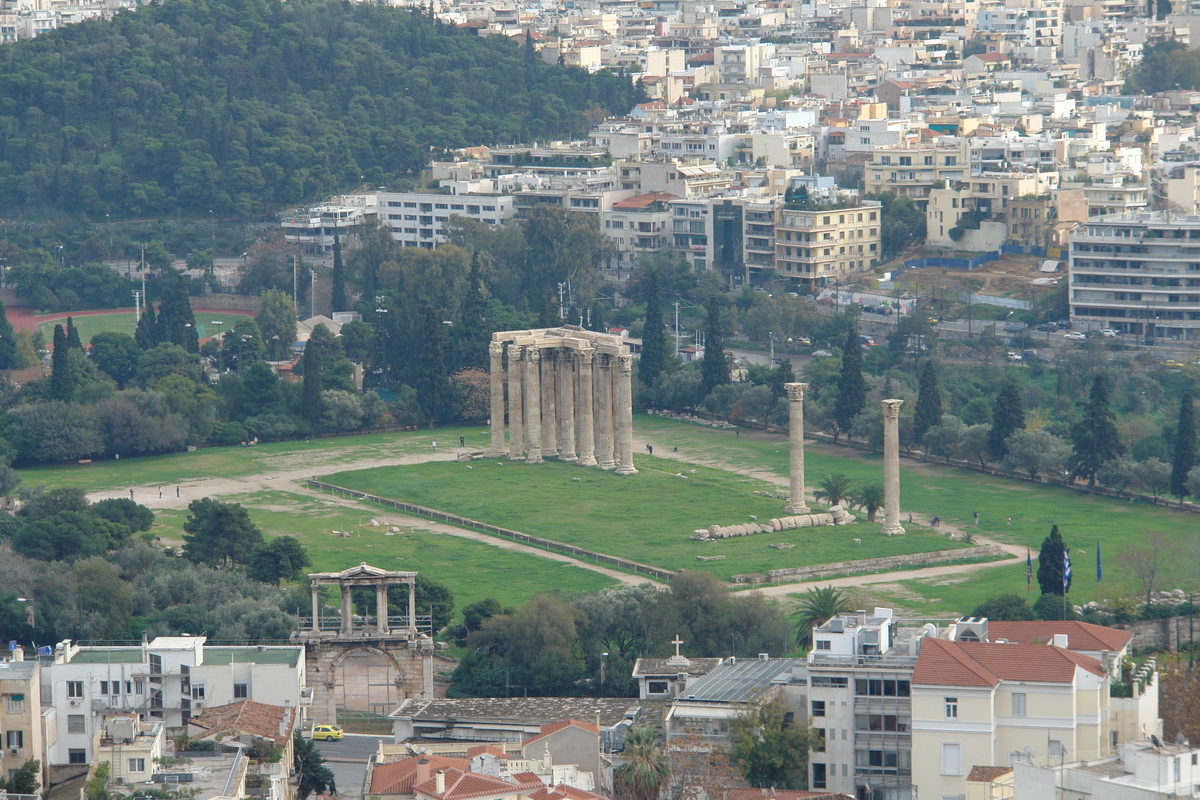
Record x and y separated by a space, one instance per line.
220 337
603 665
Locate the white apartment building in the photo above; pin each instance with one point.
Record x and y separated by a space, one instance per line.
637 225
315 229
1039 154
717 145
875 129
692 232
416 219
1177 188
1141 770
167 680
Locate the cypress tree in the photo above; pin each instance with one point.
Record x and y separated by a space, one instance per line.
147 333
1050 564
8 341
310 392
852 387
1008 417
713 369
176 321
1094 438
654 338
1185 446
339 302
928 413
473 331
60 373
73 335
430 378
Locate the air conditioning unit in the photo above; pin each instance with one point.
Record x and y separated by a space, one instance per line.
74 702
15 750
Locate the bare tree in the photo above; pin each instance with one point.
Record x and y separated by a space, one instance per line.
699 771
1143 558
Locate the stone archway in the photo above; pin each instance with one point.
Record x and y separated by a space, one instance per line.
367 679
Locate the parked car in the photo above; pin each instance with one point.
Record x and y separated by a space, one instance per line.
1012 356
1109 333
1171 363
822 354
1075 336
1047 327
1148 341
327 732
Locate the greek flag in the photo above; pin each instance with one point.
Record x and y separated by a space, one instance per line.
1099 566
1066 570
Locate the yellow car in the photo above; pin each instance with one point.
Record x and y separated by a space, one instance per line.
326 732
1171 363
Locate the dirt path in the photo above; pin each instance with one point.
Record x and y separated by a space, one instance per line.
290 480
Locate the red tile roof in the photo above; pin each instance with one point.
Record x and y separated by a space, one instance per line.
987 774
529 781
944 663
643 200
563 792
779 794
1080 635
480 749
246 717
991 57
399 777
462 785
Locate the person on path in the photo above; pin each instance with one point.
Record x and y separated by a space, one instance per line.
976 517
435 447
177 491
160 493
462 441
131 494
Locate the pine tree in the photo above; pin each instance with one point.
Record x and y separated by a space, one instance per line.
147 333
310 392
61 387
852 387
1185 447
8 342
1050 564
1094 438
713 369
430 377
1008 417
339 302
73 336
654 338
928 413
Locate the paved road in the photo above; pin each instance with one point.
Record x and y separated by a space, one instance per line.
347 760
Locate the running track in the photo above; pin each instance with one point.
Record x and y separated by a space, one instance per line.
23 318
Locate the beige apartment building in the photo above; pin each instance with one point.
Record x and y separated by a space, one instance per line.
822 243
20 714
912 171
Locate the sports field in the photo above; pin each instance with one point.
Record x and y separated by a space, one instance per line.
208 323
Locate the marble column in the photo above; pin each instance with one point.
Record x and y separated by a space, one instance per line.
795 396
533 405
623 414
496 351
604 418
316 604
586 416
566 403
516 429
347 625
381 608
549 406
412 608
891 468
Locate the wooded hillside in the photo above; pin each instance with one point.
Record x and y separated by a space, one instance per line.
241 106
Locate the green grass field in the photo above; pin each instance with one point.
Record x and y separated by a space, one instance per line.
647 517
125 322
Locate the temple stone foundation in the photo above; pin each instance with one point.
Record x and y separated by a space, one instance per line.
570 396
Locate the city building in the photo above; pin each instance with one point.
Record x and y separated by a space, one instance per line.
816 243
21 722
416 219
704 711
913 171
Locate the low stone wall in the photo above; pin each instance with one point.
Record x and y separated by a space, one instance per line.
227 302
1160 634
885 564
464 522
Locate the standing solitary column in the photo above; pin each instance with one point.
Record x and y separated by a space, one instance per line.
891 468
412 608
316 604
587 446
795 396
533 405
496 351
381 608
347 610
516 431
604 419
549 410
623 414
566 403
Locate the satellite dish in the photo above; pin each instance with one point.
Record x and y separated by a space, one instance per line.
1180 739
1030 754
1154 741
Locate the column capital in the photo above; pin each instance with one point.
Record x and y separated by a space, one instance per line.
891 409
496 349
795 391
586 355
533 354
625 363
514 352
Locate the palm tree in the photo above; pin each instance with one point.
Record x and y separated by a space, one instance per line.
817 607
869 497
833 488
643 775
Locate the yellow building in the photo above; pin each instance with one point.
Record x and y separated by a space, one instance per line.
912 171
20 714
991 703
822 242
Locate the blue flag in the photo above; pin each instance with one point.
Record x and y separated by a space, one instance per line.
45 650
1028 571
1066 571
1099 567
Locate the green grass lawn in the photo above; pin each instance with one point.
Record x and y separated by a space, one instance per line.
125 322
473 570
953 494
646 517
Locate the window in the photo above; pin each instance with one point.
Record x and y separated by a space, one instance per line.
198 691
15 704
951 707
929 161
656 687
1018 704
137 765
818 776
15 739
155 664
1055 748
825 680
951 758
824 644
74 688
906 161
77 756
820 748
241 690
75 723
818 708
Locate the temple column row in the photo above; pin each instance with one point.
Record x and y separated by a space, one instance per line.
573 404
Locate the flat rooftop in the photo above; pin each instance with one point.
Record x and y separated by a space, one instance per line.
742 682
